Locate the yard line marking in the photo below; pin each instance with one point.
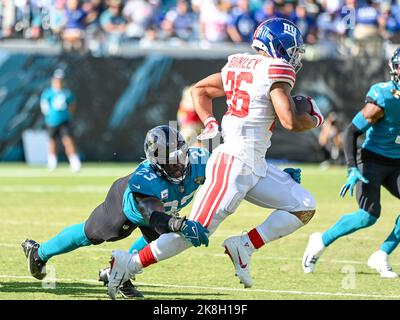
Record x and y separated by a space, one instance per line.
89 188
292 292
220 255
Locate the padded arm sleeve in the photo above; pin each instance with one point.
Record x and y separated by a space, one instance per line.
350 144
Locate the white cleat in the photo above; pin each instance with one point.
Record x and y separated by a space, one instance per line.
379 261
313 252
119 271
240 256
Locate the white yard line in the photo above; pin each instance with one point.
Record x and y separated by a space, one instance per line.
221 255
55 188
291 292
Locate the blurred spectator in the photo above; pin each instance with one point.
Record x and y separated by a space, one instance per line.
331 140
306 24
336 26
267 11
139 15
214 20
73 33
179 22
242 23
189 122
389 23
114 25
57 103
57 18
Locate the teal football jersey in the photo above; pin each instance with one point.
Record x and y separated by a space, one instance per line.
383 137
55 105
174 197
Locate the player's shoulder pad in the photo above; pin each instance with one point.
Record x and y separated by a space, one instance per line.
143 180
281 71
377 94
198 155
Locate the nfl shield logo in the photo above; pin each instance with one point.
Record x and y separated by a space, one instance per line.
164 194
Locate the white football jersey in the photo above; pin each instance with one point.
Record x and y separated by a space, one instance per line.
248 124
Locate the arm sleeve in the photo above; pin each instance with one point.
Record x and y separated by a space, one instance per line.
350 144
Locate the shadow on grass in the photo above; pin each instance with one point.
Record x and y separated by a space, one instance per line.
93 291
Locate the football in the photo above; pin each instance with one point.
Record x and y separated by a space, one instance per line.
302 104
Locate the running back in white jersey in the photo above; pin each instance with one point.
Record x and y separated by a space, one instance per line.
247 125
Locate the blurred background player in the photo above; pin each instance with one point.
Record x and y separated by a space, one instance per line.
258 91
331 141
57 104
149 199
189 123
379 165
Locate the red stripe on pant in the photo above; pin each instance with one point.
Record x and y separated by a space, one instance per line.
217 192
212 181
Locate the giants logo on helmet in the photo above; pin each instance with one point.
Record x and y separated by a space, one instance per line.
290 29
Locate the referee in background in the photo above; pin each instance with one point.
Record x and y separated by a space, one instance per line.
57 103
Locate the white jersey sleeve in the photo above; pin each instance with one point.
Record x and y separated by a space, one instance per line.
281 71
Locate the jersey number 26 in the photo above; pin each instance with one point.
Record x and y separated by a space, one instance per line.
238 100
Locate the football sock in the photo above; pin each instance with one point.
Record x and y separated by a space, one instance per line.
393 240
52 161
166 246
75 162
348 224
138 245
69 239
279 224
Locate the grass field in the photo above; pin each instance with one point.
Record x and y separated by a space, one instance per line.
38 204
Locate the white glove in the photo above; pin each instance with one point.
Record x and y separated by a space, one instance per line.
316 113
211 129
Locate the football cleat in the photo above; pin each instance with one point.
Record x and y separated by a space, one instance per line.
313 252
379 261
119 271
127 290
36 266
240 256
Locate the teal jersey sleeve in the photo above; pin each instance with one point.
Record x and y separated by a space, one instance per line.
377 94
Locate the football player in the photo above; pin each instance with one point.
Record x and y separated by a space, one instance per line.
258 91
150 199
378 165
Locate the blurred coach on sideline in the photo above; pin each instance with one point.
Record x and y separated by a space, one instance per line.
57 103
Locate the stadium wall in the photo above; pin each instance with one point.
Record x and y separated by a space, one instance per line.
120 98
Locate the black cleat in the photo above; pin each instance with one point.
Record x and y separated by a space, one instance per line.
36 266
128 289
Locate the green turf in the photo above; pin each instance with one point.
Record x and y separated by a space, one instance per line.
38 204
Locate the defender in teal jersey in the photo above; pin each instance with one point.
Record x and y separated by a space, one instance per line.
150 199
378 165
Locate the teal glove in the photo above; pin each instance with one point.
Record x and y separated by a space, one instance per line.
194 232
294 173
353 175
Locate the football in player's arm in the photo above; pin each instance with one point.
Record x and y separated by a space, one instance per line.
257 89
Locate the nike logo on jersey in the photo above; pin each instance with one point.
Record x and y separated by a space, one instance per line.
242 265
375 94
136 186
